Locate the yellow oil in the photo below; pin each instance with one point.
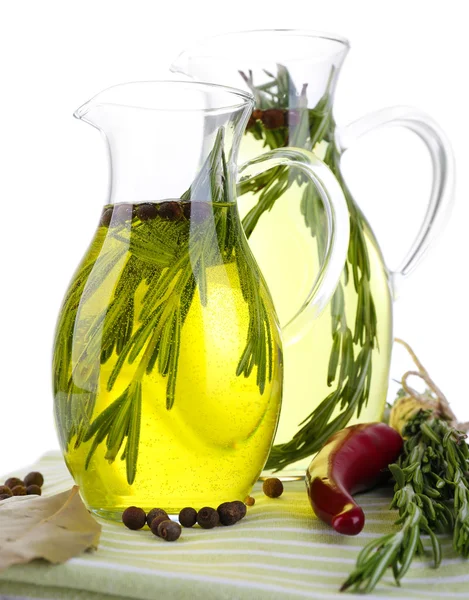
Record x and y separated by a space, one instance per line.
288 257
210 447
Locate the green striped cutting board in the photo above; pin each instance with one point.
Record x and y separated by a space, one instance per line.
280 550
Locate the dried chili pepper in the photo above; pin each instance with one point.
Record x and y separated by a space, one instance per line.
352 460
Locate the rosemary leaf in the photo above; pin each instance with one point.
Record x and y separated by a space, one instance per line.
133 439
173 361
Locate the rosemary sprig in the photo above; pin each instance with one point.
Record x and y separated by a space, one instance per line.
431 490
432 496
119 421
164 263
282 117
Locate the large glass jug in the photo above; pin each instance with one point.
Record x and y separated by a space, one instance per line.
337 373
167 365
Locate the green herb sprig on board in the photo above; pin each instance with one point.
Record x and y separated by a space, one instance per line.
431 490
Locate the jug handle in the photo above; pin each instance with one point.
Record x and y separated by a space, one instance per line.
442 193
338 230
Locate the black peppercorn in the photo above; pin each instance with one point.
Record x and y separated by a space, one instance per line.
188 517
249 501
255 116
231 512
155 512
33 490
134 517
170 210
19 490
13 482
122 212
106 216
34 478
186 209
200 211
207 517
4 496
241 508
272 487
169 530
4 489
196 211
156 522
273 118
146 211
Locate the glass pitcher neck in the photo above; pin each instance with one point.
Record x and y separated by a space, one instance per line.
300 61
292 75
161 135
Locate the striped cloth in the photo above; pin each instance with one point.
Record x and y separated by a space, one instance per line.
280 550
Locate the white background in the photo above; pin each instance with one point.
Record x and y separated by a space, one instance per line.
55 55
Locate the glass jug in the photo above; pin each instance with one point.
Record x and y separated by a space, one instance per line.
167 367
336 373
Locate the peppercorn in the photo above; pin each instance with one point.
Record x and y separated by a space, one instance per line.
200 211
273 118
4 496
251 122
272 487
5 490
33 490
155 512
231 512
156 521
122 212
169 530
186 209
13 482
170 210
19 490
241 507
134 517
207 517
255 116
147 211
106 216
188 517
249 501
34 478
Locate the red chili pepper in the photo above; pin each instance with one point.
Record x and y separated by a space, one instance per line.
352 460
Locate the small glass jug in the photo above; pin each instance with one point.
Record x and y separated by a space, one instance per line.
336 372
167 367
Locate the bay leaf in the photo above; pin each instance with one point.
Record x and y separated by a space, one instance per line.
54 528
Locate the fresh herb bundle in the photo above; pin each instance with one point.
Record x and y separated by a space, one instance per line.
277 123
431 489
165 250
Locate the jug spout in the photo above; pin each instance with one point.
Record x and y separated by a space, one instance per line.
98 109
150 127
93 113
83 110
180 65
